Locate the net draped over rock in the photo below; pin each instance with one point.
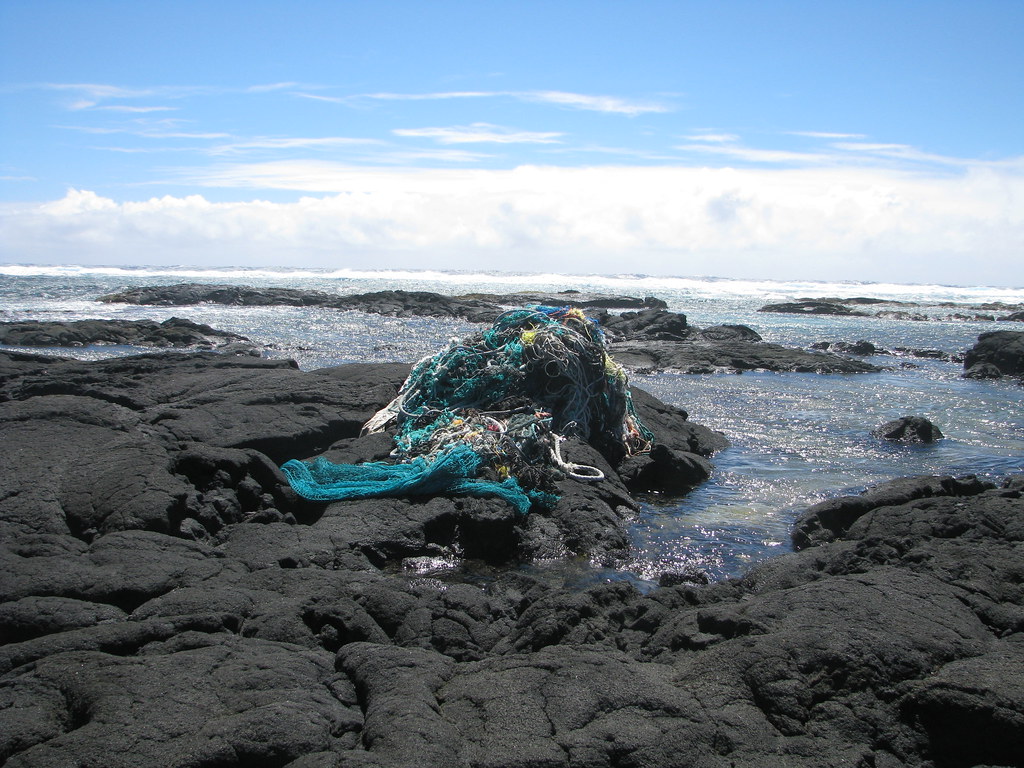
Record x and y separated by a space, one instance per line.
486 416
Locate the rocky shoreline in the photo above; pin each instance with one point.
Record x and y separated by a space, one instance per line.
900 310
167 600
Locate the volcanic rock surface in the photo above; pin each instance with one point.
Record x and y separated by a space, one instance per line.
997 353
174 332
166 600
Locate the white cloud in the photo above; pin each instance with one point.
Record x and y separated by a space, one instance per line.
763 156
98 91
592 103
438 96
126 108
478 133
715 138
826 135
813 223
295 142
589 102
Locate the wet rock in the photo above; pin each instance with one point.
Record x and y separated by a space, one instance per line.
859 348
730 333
650 324
983 371
830 519
569 298
392 303
174 332
664 471
732 355
1002 349
811 307
909 429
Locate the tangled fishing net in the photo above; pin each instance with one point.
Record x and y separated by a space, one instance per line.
487 416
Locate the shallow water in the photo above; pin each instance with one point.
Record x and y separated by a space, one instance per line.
795 438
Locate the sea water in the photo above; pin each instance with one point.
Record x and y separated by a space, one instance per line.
795 438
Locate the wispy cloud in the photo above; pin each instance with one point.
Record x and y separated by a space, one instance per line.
839 154
97 91
901 152
274 87
592 103
715 138
759 156
826 135
159 130
479 133
126 108
582 101
294 142
321 97
438 96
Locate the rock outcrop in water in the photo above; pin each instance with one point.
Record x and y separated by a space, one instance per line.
165 600
811 307
649 338
391 303
909 429
477 308
985 312
657 339
998 353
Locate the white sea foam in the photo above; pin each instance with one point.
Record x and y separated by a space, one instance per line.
709 287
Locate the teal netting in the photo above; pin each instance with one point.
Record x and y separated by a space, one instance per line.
452 471
486 416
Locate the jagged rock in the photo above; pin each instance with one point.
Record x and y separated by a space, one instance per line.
830 519
650 324
1002 349
890 638
909 429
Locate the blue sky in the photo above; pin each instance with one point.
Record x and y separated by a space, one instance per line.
825 140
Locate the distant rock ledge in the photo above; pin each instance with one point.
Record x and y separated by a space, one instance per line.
476 308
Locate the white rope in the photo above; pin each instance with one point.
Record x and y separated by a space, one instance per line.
583 472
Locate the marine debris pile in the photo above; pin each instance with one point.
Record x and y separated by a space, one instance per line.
487 416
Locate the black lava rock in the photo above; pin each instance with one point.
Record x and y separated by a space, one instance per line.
909 429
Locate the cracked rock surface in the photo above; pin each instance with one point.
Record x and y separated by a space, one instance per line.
166 600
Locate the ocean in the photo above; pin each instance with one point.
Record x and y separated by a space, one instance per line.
796 438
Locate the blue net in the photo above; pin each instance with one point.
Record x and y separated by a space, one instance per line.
486 416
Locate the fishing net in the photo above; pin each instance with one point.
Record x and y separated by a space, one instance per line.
487 416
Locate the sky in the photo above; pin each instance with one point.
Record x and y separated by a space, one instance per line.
826 140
